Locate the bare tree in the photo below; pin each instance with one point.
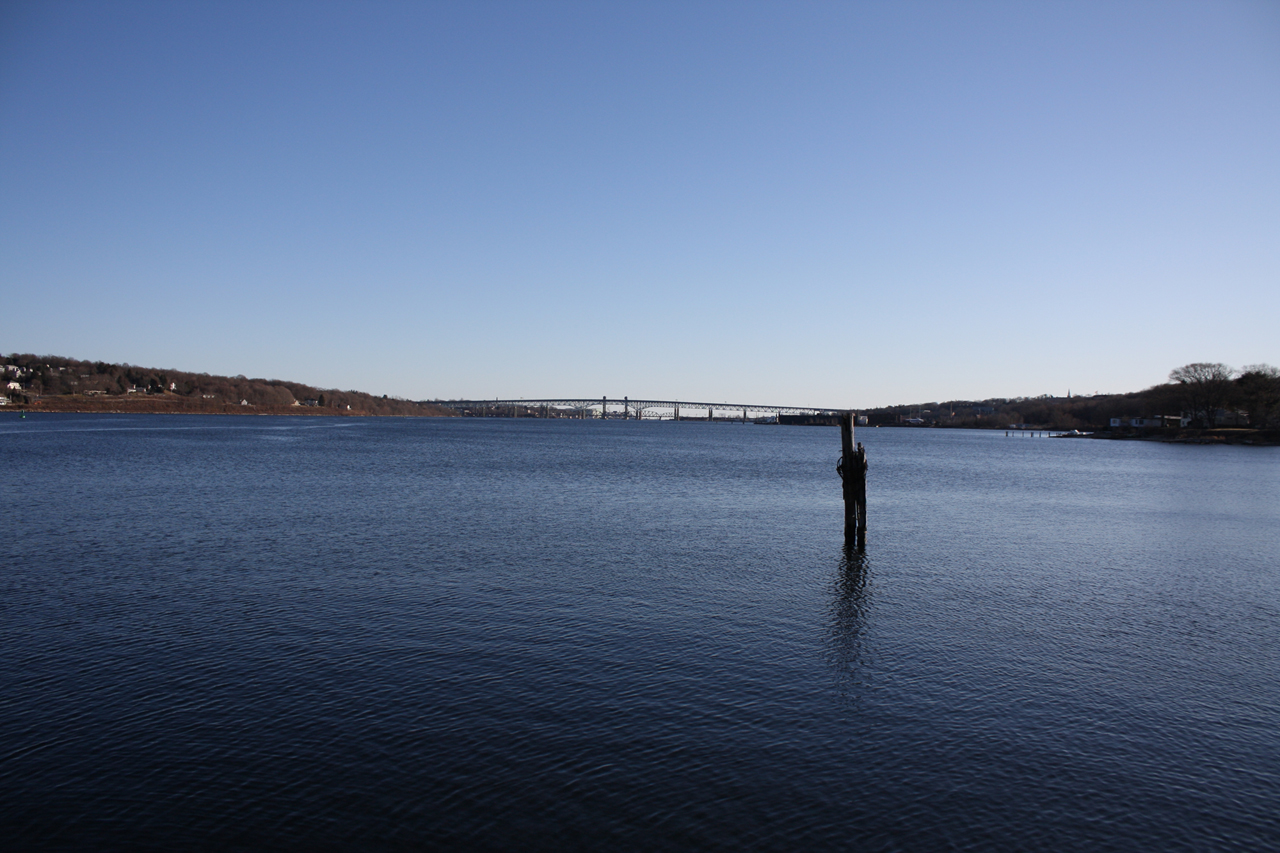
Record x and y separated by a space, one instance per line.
1205 389
1259 387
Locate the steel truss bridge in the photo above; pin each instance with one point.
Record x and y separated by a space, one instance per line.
625 408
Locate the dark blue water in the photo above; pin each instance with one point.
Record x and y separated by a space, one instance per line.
348 634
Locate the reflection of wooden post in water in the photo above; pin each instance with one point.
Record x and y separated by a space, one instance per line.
853 474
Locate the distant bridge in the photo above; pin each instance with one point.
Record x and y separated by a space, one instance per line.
605 407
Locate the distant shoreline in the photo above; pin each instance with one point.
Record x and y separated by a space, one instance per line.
186 406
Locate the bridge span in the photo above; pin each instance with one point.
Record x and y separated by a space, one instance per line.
626 408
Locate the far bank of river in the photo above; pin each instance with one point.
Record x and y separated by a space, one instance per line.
170 404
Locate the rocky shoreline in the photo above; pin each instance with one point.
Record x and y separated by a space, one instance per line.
1226 435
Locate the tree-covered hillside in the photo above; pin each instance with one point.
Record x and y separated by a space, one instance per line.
1205 394
67 384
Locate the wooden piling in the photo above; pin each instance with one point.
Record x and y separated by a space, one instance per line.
853 475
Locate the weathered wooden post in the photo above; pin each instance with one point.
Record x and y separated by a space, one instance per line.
860 481
845 469
853 475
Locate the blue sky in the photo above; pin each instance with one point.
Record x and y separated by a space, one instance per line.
844 204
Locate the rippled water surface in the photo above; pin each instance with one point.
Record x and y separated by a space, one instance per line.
383 634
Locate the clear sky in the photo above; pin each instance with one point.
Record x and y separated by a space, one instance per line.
805 203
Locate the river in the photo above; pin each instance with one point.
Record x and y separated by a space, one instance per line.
266 633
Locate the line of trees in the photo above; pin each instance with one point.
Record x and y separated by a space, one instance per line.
1208 388
1208 394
